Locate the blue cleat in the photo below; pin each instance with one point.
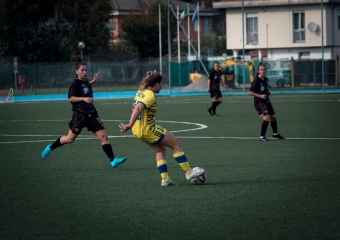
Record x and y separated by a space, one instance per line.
117 161
46 152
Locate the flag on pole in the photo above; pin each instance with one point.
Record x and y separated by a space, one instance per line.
184 14
195 15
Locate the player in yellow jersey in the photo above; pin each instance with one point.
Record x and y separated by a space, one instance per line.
143 126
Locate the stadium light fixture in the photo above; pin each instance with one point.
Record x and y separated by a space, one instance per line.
81 45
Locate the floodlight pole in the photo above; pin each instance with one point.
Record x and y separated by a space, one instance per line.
160 38
169 49
322 52
243 53
81 45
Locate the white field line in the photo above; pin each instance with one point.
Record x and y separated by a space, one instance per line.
226 99
129 136
199 127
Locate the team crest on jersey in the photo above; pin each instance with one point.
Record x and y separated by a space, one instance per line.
262 88
86 90
141 95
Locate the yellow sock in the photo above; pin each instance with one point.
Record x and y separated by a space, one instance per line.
182 160
186 167
165 176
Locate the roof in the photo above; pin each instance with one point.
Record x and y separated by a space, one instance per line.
261 3
135 5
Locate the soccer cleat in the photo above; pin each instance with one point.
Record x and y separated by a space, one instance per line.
216 115
117 161
264 139
194 174
278 136
210 111
166 183
46 152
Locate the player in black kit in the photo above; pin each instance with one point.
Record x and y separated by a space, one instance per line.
260 91
80 95
214 82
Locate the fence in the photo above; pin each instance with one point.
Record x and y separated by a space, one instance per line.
55 78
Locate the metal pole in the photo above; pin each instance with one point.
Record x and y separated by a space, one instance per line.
178 37
188 31
243 53
322 51
35 80
15 82
198 31
81 45
58 77
169 48
160 39
106 78
186 35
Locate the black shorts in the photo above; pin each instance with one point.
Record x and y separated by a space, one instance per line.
90 120
264 108
215 93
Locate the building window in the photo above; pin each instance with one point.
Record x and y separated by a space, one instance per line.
338 19
111 26
299 27
252 29
206 25
304 55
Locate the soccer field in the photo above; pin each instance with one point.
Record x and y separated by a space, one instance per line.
280 189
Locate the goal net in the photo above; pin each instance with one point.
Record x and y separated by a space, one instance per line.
6 96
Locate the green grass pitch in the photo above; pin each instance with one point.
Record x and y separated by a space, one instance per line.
280 189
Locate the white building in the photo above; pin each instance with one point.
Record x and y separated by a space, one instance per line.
285 28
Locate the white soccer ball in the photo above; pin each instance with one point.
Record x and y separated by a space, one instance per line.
201 178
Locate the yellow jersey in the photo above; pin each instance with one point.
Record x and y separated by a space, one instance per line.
146 120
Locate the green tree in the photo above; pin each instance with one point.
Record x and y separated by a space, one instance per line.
27 29
142 30
25 32
86 22
35 42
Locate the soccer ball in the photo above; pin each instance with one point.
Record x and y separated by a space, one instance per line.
201 178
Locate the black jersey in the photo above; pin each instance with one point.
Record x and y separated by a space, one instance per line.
260 86
215 79
80 88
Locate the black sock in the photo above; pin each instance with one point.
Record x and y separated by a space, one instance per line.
264 128
108 150
218 103
56 144
213 107
274 126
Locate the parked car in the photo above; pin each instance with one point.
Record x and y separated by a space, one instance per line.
278 77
